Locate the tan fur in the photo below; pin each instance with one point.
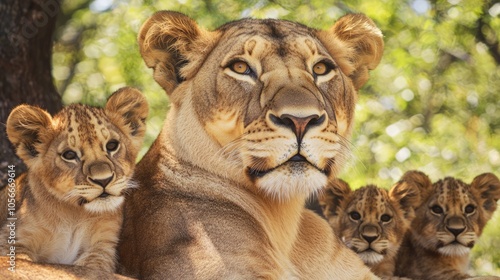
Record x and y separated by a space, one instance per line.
69 203
26 270
376 241
431 250
219 196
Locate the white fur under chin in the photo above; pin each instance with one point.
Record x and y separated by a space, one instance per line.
454 250
105 204
371 257
282 186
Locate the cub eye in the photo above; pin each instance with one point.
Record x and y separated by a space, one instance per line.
241 67
321 68
69 155
469 209
436 209
112 146
385 218
355 215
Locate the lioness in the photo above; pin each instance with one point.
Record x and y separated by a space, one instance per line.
68 205
447 224
260 115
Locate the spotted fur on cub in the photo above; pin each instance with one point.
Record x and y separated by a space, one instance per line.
80 162
370 220
448 223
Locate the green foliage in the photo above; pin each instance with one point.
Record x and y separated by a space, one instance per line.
432 103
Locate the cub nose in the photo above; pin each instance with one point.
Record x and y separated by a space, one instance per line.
369 239
455 231
102 182
369 233
299 125
455 225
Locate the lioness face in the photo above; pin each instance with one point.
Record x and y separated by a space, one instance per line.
277 97
288 109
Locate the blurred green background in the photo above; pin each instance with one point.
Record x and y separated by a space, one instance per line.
432 104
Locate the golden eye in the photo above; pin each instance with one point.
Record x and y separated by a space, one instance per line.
320 68
241 67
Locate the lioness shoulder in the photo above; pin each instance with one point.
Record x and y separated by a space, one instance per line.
259 117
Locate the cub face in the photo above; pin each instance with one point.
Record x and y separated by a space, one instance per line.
276 97
370 220
83 156
453 213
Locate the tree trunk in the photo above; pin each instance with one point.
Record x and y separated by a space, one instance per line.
26 28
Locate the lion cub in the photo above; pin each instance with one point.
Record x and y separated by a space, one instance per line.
447 224
69 202
370 220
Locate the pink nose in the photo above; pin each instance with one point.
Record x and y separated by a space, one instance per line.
298 125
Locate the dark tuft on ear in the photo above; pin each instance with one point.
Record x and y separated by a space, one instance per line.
486 188
335 193
26 127
128 109
407 194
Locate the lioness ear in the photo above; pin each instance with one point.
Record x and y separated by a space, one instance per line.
356 44
128 108
486 188
173 45
26 127
407 195
332 197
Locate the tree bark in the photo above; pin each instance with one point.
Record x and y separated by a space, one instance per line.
26 29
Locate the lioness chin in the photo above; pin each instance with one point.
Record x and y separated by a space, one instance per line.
260 114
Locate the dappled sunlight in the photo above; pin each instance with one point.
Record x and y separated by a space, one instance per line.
432 104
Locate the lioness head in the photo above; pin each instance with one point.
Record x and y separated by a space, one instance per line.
453 213
370 220
268 102
83 155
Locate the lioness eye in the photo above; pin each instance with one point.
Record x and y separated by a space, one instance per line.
436 209
355 215
320 68
69 155
241 67
469 209
112 146
385 218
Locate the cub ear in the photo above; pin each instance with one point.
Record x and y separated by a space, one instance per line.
173 45
128 109
408 196
26 127
332 197
486 188
356 44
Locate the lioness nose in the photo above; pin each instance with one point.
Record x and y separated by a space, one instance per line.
102 182
298 125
